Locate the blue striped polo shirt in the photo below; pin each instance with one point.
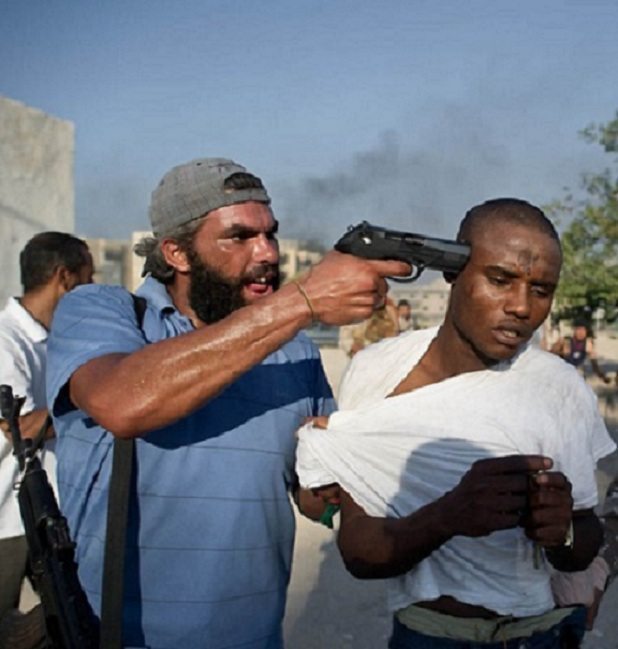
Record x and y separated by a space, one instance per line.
211 530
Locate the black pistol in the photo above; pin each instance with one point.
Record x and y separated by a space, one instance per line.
421 252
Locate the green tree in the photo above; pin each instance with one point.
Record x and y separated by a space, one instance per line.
590 236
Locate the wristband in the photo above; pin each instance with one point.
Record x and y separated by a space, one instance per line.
301 290
328 514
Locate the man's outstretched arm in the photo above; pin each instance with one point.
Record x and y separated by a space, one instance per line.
132 394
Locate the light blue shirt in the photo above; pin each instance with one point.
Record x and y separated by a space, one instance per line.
211 530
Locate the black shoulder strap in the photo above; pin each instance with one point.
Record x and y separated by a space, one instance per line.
116 532
115 544
139 304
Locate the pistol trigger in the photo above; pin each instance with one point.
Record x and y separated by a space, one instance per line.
412 277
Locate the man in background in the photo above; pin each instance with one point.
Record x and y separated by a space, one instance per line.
51 264
579 348
404 315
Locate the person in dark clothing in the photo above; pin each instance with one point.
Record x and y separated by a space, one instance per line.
578 348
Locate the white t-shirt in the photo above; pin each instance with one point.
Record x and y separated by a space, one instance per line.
394 455
23 352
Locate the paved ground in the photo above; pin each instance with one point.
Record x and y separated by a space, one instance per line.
328 609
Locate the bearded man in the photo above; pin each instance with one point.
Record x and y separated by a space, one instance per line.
212 386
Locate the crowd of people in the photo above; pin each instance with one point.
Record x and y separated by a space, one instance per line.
462 457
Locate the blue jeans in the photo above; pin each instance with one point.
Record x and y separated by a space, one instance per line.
565 635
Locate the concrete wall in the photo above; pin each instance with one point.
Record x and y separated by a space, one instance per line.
36 183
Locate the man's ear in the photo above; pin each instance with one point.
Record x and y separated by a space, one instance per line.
65 278
175 255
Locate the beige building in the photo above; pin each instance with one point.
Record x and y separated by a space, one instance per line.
36 183
115 262
295 259
112 261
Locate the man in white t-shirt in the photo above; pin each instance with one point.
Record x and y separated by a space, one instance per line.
404 316
465 456
51 264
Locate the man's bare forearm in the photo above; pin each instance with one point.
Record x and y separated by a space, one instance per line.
596 368
587 540
377 548
163 382
30 425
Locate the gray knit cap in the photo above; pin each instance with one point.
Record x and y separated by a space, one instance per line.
191 190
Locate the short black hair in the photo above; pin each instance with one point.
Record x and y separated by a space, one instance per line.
45 253
514 210
403 302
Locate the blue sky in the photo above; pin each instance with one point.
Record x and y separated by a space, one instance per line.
405 113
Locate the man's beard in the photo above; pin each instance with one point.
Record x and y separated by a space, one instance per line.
213 296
